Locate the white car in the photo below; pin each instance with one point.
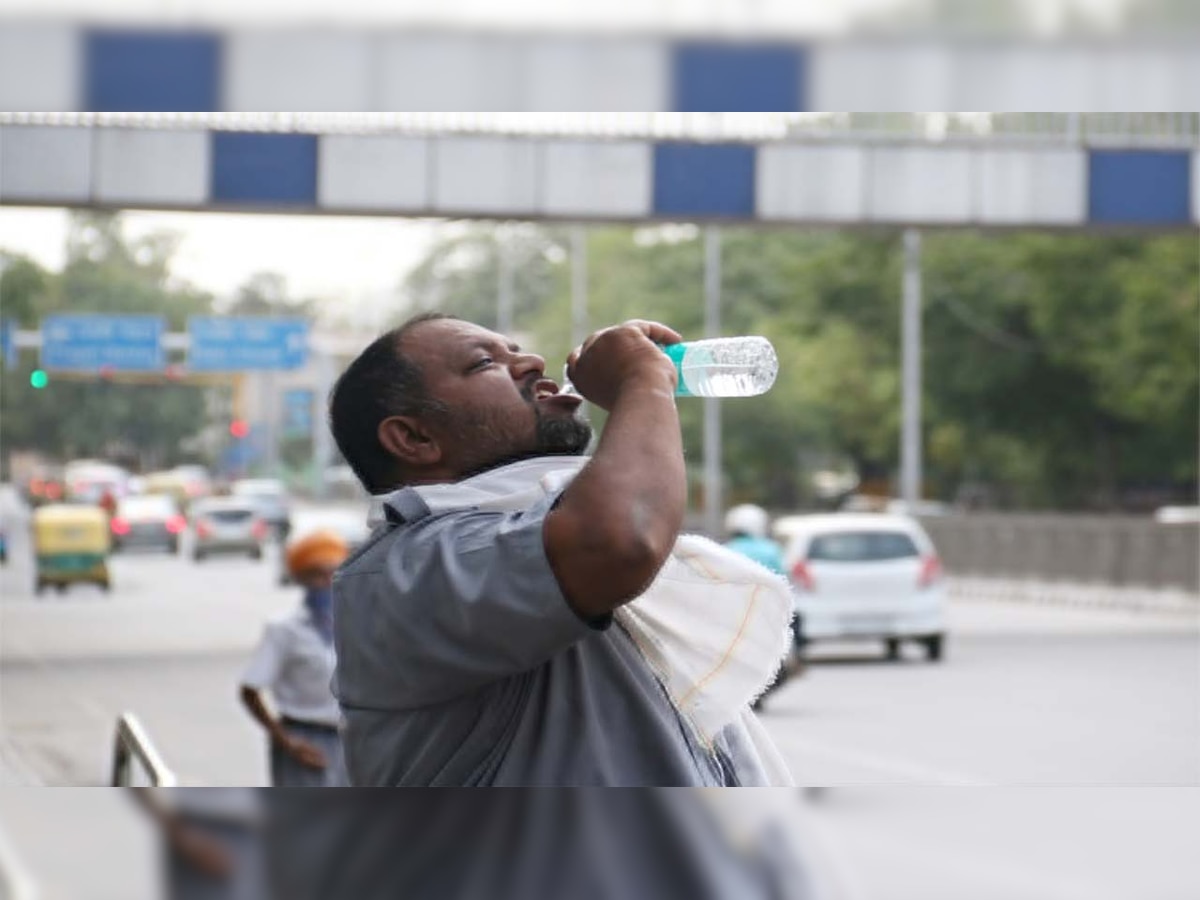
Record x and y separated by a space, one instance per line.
866 577
227 525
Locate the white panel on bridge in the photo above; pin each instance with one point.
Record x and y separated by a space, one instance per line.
1149 78
297 71
39 67
1026 78
157 168
45 164
623 75
918 185
490 176
597 179
811 183
1032 187
437 72
373 172
880 76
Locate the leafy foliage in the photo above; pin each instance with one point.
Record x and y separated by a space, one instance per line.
1060 370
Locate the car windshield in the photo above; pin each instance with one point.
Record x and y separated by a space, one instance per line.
862 546
147 506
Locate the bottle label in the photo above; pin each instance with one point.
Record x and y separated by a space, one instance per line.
675 353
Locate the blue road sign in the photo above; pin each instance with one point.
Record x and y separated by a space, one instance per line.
297 411
8 343
86 342
232 343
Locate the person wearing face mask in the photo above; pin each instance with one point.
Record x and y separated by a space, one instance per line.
294 663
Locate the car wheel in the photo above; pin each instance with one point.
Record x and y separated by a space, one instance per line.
39 587
197 556
61 587
256 553
934 646
173 547
892 649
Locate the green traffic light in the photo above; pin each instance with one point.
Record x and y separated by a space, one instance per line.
38 378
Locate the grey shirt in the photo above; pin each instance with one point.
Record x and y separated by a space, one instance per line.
459 662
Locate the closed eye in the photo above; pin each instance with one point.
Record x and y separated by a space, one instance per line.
481 364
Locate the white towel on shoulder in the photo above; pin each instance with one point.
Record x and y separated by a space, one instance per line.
713 626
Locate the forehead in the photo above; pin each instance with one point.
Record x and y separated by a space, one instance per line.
448 339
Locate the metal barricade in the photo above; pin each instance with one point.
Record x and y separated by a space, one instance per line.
132 745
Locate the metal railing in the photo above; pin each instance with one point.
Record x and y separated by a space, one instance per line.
1174 130
132 745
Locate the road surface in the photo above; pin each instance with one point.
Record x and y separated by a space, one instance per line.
1097 708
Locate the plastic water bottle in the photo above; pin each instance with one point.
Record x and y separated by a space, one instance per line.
718 367
724 367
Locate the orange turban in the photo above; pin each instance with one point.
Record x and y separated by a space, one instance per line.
319 549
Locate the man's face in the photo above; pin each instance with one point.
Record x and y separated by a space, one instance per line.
501 407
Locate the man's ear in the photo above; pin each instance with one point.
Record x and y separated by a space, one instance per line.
407 439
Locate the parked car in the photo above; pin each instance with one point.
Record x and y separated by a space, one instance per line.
271 497
867 577
227 525
152 520
350 524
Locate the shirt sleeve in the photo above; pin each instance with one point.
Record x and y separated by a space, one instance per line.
267 662
462 600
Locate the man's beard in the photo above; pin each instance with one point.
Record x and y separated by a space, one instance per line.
558 436
562 436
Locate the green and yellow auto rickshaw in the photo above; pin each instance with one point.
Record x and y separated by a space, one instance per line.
71 544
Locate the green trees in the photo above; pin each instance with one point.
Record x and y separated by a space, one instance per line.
1061 370
104 273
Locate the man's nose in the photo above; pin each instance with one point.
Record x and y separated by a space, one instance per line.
526 364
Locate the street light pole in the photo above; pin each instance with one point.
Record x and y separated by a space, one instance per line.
504 288
910 362
712 405
579 294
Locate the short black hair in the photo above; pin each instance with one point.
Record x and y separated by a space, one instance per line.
380 383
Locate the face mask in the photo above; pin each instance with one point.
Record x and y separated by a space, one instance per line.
319 602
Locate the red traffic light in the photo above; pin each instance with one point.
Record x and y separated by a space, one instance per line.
238 428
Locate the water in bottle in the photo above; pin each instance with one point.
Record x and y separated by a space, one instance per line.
718 367
724 367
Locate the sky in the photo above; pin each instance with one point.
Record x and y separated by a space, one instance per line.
354 263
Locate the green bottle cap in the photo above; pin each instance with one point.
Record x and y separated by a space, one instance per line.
675 353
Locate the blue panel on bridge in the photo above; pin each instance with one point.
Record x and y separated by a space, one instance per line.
232 343
151 71
1139 187
704 180
264 168
88 342
715 77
